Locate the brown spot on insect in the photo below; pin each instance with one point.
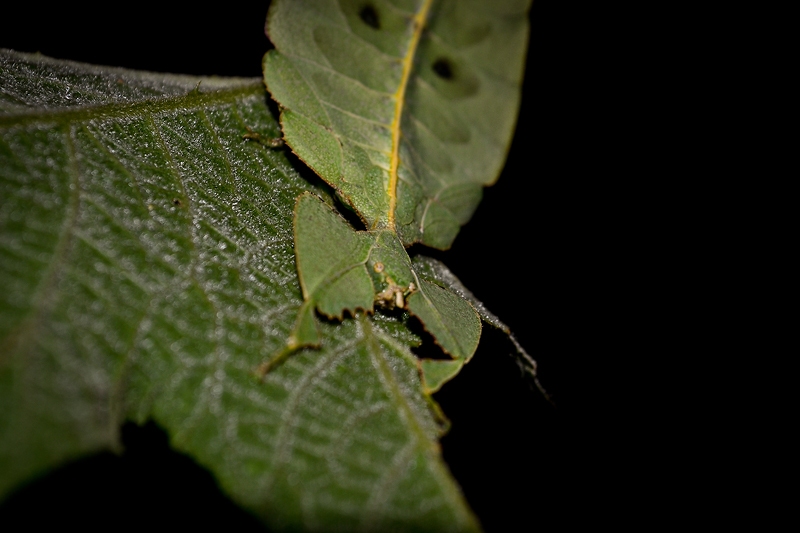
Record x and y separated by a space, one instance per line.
394 296
388 297
398 299
410 290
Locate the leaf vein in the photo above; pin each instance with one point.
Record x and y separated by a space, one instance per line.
299 390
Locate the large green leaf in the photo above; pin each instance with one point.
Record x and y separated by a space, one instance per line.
405 107
147 270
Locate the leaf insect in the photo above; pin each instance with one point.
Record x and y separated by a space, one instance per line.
399 135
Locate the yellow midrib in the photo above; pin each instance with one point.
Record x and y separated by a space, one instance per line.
400 97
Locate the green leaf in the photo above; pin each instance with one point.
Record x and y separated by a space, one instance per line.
376 98
147 264
406 108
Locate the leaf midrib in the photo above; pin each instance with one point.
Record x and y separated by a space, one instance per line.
192 100
410 418
408 62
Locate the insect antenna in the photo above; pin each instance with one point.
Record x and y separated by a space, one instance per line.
528 366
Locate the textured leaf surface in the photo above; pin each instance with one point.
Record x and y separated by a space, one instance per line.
147 269
406 107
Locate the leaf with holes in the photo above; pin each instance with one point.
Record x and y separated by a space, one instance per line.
147 266
407 110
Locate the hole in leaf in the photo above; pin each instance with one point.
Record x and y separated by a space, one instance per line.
443 68
177 202
370 16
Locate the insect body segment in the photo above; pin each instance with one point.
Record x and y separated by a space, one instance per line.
342 270
393 275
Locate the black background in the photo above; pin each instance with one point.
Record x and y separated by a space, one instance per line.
533 253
